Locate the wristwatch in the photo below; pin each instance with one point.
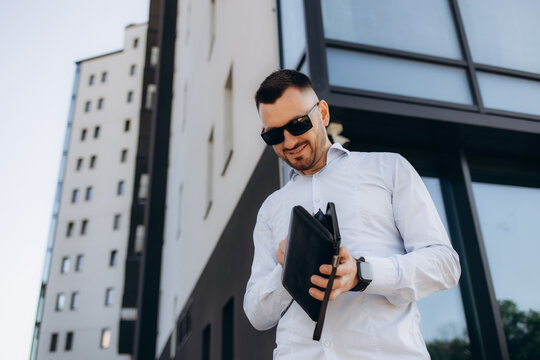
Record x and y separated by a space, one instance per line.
363 273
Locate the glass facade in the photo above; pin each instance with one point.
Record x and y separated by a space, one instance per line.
293 24
398 76
418 60
510 222
445 332
510 93
503 33
481 53
394 24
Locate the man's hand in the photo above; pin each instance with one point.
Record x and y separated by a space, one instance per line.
280 254
345 278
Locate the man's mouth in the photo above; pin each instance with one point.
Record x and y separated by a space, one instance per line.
296 150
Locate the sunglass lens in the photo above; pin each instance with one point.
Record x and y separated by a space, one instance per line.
273 136
299 126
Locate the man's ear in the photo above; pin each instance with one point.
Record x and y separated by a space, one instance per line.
325 112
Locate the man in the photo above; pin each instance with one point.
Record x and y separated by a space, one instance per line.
394 251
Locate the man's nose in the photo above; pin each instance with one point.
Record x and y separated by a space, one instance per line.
289 140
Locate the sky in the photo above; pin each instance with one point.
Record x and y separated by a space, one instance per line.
40 42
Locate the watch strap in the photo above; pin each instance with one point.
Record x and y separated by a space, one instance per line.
362 283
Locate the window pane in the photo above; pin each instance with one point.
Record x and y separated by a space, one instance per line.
113 258
79 263
397 76
105 338
293 28
54 341
65 265
74 301
109 293
503 33
510 222
421 26
510 93
60 301
445 332
69 341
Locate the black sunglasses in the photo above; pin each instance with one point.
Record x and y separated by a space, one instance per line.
296 127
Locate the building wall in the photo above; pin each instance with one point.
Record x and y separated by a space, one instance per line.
92 315
457 100
215 80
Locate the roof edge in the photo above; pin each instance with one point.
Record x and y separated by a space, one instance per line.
98 56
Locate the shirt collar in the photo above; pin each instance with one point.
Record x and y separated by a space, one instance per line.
335 151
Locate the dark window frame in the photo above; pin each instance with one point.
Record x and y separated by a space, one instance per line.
69 230
79 263
53 345
120 187
109 293
88 193
123 155
79 164
93 160
116 221
84 227
74 195
59 305
64 269
74 302
113 258
69 341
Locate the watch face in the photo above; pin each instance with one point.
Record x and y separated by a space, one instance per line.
365 271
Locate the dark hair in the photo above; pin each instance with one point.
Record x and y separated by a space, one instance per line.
277 82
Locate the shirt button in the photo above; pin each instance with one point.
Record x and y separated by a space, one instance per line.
317 200
327 343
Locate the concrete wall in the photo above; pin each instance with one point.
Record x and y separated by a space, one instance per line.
245 45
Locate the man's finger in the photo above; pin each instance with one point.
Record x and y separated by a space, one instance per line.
316 293
341 270
319 281
319 295
325 269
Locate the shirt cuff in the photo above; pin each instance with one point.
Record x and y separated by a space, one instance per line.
384 273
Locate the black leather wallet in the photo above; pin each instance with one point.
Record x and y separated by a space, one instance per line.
313 241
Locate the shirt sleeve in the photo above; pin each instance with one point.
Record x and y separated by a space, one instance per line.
265 296
430 263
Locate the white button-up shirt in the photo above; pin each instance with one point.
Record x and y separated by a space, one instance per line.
385 214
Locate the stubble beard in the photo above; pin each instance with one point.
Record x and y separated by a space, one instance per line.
300 163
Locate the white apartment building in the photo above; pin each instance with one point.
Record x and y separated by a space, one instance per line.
81 309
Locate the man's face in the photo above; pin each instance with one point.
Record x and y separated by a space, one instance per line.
306 152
